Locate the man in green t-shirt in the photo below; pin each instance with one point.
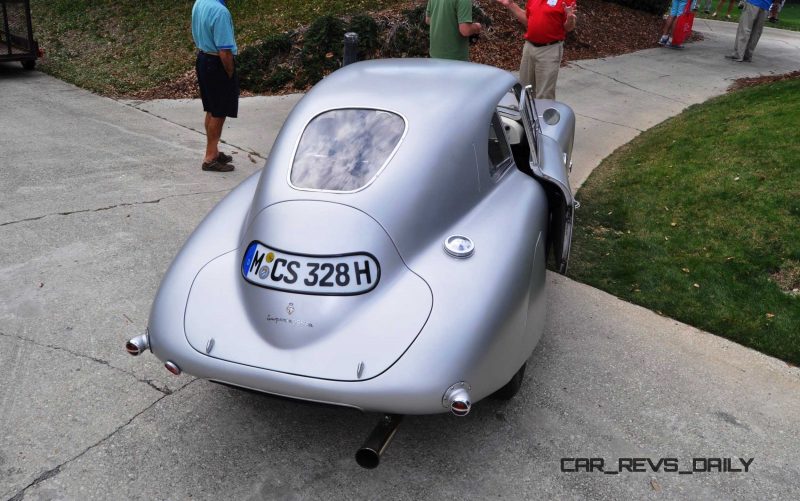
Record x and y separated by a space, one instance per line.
451 26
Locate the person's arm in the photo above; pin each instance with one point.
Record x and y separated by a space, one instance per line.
224 41
469 29
466 28
572 18
226 56
517 11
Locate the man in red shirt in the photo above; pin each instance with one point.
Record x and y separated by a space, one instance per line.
547 23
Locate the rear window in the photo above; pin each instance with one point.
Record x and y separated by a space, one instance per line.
344 150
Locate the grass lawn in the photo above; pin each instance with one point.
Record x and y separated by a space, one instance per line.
117 47
789 18
699 219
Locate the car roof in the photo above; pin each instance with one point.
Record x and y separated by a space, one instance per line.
414 88
447 107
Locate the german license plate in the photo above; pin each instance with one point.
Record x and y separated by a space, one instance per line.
339 275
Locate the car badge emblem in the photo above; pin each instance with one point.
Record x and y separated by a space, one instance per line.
360 370
263 273
210 346
290 308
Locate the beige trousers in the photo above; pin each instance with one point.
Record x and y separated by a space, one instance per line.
751 24
539 68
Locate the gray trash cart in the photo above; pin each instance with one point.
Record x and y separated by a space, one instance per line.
16 33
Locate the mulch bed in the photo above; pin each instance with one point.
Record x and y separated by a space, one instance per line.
604 29
743 83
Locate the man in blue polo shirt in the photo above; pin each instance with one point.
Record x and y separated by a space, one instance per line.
212 30
751 24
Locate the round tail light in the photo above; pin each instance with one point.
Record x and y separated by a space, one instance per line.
173 368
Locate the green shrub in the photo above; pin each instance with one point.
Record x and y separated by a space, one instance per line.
257 64
276 62
322 49
278 78
368 35
480 16
654 6
409 37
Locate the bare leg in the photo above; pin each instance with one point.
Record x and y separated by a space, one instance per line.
668 26
213 133
720 5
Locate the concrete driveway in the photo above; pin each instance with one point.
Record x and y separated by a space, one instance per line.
97 197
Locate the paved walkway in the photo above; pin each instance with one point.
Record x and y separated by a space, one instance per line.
97 197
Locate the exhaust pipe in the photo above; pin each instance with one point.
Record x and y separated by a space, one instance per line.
138 345
369 455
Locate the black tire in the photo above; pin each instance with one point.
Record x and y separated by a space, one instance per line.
511 388
29 64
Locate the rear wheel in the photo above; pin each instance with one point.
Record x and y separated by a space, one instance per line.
29 64
511 388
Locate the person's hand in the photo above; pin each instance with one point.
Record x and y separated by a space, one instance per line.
504 3
476 28
569 10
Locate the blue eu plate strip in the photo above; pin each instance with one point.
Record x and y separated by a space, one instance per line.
248 258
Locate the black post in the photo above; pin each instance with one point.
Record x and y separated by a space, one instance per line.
6 28
350 48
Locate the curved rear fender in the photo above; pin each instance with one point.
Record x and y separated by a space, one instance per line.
477 328
218 233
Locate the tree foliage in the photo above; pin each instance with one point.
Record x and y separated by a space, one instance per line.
654 6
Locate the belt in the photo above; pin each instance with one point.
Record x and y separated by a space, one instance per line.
544 44
209 53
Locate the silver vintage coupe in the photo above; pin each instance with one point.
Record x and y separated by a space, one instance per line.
390 256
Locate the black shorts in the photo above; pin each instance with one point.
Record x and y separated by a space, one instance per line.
220 94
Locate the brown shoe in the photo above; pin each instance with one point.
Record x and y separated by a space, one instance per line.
223 158
217 166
